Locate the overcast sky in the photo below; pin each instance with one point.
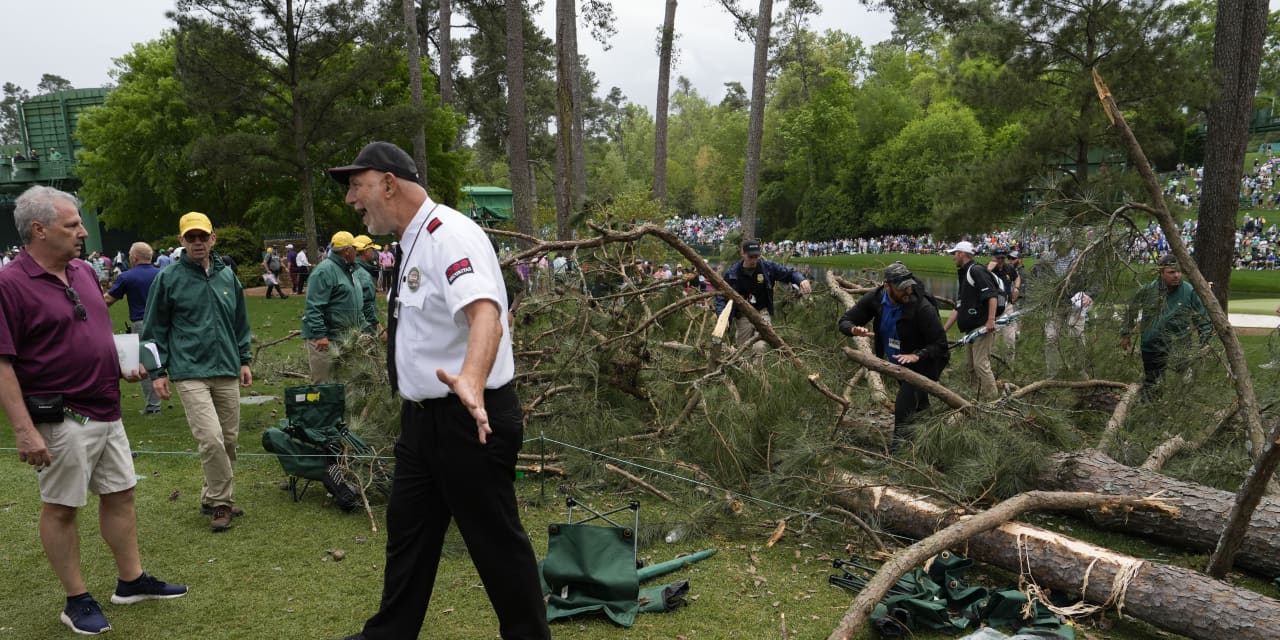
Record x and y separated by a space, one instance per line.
79 39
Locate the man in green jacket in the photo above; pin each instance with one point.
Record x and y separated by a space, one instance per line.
197 318
367 260
1169 308
335 304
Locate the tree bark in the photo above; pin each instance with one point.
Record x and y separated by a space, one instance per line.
446 52
579 145
1119 415
956 534
1248 498
1264 452
664 96
1171 598
755 130
862 345
1203 509
566 99
415 88
899 372
517 131
1239 31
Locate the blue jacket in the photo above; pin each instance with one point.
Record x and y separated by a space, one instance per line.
758 290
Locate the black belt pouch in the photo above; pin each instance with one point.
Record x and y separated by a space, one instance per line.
45 409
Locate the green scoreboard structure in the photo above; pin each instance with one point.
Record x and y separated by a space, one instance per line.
46 155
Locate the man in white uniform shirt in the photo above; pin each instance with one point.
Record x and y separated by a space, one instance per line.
304 269
450 360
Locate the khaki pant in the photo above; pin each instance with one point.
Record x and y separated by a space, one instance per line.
213 413
320 362
1007 335
1069 322
744 332
978 358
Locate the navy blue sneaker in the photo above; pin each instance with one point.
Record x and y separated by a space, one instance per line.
146 588
84 616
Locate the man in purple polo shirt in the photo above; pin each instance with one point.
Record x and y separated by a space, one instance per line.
51 314
134 285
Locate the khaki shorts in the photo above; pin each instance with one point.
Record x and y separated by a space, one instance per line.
86 457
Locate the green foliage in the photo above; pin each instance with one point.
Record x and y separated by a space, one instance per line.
136 158
207 118
947 138
243 247
10 123
827 214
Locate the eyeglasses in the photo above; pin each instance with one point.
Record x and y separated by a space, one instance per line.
75 299
196 237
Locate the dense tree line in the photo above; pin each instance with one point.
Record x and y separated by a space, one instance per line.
952 125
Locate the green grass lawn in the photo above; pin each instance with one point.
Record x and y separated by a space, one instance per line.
272 576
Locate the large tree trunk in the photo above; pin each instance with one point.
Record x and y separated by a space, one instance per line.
1203 510
446 52
579 146
566 99
755 130
664 96
415 87
1238 34
1171 598
517 131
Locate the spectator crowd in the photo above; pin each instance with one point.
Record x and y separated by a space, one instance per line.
1257 241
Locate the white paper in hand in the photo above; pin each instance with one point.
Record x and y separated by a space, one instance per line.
127 351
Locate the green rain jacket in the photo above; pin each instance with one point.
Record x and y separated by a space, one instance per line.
198 321
366 275
1168 316
335 303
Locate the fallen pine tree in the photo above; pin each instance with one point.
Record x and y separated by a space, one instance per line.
1203 510
1178 600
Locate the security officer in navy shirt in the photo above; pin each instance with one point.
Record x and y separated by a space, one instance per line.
906 331
753 277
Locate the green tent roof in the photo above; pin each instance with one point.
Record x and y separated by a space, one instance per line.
487 204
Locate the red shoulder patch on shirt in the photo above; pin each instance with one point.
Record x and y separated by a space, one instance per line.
433 225
458 269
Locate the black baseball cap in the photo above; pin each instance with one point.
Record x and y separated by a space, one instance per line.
751 248
379 156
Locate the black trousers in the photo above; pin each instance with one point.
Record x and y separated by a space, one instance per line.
1153 366
910 400
444 474
299 278
275 286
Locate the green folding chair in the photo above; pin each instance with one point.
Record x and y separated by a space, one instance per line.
591 568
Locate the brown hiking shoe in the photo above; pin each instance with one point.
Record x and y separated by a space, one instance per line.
207 510
221 518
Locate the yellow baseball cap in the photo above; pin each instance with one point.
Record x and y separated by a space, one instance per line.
363 242
342 240
194 221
